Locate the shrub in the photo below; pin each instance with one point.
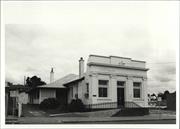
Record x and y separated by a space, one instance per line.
76 105
49 103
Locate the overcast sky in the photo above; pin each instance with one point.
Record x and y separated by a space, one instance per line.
39 36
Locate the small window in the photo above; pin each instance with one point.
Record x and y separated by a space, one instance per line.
120 83
103 88
76 94
136 84
103 82
137 89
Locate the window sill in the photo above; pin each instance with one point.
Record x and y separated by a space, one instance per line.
138 99
104 99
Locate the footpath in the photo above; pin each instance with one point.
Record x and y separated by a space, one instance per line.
81 120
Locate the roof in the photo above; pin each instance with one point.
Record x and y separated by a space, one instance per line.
17 87
20 88
60 82
74 81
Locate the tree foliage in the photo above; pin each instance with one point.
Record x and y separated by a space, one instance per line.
34 82
76 105
49 103
163 95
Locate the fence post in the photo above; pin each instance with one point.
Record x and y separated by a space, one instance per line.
19 109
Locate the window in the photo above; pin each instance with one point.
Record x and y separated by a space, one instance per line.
76 93
87 87
137 89
103 88
72 92
120 83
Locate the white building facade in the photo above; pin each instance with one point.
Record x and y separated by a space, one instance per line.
110 79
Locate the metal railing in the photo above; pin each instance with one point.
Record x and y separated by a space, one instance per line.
107 105
111 105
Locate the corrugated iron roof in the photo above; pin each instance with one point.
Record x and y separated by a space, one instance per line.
74 81
60 82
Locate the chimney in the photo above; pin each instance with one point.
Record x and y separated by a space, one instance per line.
81 67
51 75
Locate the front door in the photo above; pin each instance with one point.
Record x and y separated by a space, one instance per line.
120 97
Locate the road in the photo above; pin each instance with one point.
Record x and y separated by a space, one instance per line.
129 122
58 121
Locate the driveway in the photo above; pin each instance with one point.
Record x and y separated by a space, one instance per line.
30 110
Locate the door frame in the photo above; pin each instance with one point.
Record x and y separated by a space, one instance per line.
124 88
121 88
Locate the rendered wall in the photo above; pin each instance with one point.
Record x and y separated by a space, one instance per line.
112 89
114 74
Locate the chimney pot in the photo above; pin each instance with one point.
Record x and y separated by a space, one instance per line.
51 75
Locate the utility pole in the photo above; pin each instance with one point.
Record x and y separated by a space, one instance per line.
159 100
24 80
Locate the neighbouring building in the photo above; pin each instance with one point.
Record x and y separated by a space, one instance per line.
55 89
14 94
171 101
115 80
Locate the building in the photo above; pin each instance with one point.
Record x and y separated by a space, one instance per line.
107 80
171 101
55 89
15 94
110 79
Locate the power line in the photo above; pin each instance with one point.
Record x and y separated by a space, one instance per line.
162 63
154 63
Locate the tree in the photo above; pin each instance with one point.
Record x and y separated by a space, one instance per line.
160 95
165 94
153 96
34 82
9 84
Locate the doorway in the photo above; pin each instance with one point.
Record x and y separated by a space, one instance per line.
120 97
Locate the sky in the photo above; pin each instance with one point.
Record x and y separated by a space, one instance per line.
41 35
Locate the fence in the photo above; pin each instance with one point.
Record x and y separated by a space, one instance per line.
108 105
